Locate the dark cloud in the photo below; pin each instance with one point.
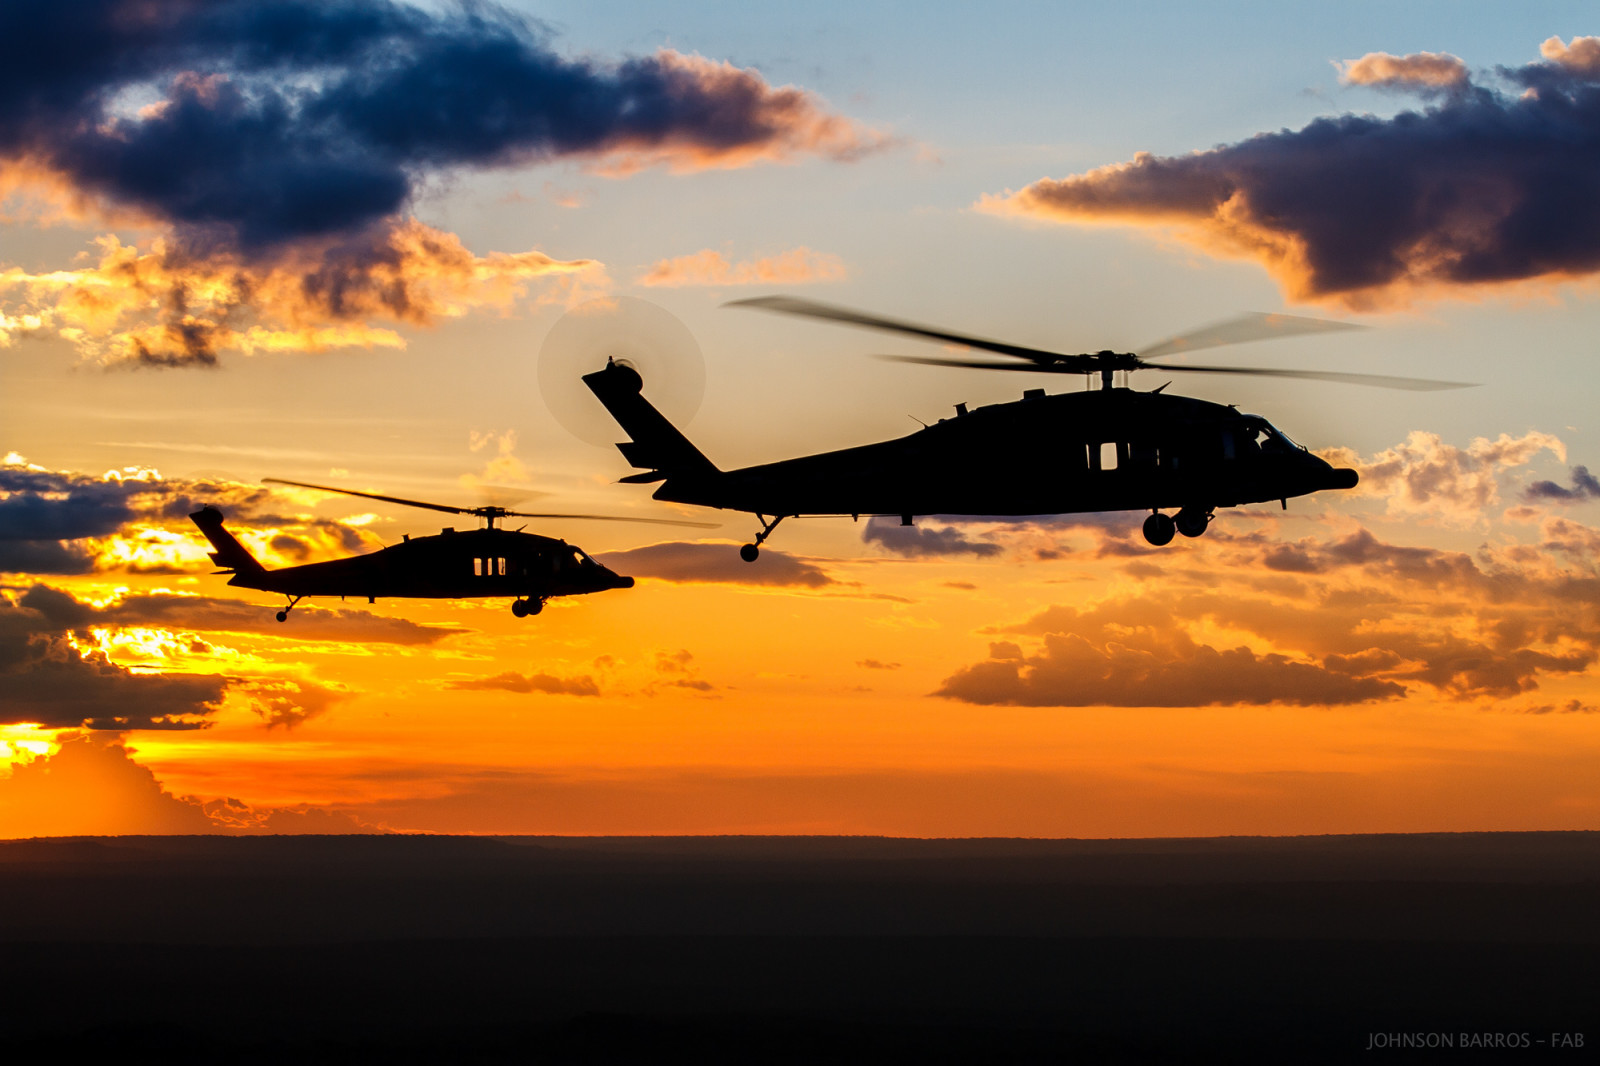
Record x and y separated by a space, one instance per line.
924 540
247 124
1486 185
691 561
47 679
51 672
510 681
1585 486
876 664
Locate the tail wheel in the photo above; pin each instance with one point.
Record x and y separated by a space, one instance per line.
1159 528
749 553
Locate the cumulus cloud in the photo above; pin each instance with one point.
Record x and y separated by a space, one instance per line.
91 786
57 671
279 147
1437 70
550 684
165 305
1581 57
1320 620
797 266
135 520
1130 655
692 561
1426 476
1484 187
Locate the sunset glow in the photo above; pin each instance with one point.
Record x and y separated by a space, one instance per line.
1420 653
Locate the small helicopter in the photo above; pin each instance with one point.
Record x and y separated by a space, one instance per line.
1109 449
448 565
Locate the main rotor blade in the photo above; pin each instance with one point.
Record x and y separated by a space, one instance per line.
1382 381
618 518
1253 326
790 305
374 496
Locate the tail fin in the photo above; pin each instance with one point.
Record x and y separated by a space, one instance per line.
230 554
656 444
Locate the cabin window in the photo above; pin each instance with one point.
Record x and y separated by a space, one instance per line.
502 564
477 568
1108 455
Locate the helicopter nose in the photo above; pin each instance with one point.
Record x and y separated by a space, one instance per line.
1343 478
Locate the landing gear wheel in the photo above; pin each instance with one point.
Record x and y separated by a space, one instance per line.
1159 528
749 553
283 616
524 608
1193 522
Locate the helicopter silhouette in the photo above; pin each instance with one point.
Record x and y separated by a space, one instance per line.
488 561
1107 449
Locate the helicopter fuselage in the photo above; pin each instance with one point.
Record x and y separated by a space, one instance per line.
447 565
1106 450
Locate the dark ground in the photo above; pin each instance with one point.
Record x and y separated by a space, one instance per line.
777 950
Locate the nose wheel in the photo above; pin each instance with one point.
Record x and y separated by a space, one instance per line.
524 608
750 552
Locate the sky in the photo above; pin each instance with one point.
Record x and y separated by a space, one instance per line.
325 242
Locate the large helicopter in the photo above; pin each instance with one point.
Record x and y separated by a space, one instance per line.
1107 449
488 561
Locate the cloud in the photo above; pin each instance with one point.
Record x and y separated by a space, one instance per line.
215 614
279 148
1485 187
165 305
1585 486
1581 57
797 266
134 520
510 681
1424 475
51 677
91 787
923 540
1321 620
1420 70
691 561
1128 655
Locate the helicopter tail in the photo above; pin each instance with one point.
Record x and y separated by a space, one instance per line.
656 445
230 554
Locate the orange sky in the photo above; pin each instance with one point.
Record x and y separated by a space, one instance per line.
1418 654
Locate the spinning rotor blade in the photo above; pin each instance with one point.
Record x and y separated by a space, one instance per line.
492 512
616 518
1254 326
374 496
1382 381
790 305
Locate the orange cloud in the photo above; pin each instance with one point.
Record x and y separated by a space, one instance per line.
158 306
1581 57
1480 192
1426 476
766 124
1439 70
797 266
